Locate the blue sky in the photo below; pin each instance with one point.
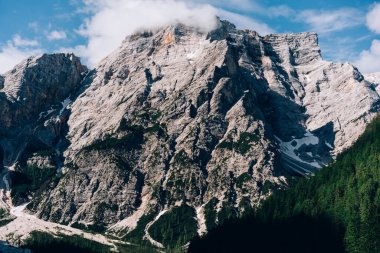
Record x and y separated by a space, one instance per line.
348 30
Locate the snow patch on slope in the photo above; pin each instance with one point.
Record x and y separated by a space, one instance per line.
289 148
375 79
65 103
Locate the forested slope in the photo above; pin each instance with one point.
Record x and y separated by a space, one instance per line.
337 210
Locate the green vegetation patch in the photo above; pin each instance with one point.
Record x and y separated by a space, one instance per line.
242 145
99 226
182 159
240 180
211 214
137 234
337 210
176 227
266 187
42 242
137 248
227 212
29 180
132 140
151 115
5 218
245 206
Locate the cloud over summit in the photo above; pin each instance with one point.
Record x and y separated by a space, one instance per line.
112 20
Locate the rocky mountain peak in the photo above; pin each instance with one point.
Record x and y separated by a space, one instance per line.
298 48
223 31
29 77
31 91
374 78
1 82
179 118
177 32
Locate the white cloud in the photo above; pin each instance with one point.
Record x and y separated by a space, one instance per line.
373 19
16 50
369 60
244 22
34 26
280 11
324 22
113 20
235 5
20 42
56 35
10 56
339 49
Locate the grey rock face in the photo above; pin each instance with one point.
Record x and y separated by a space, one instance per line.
332 103
37 83
170 117
32 91
1 82
179 116
374 78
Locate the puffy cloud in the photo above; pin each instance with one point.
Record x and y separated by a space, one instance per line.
280 11
16 50
235 5
20 42
34 26
244 22
323 22
373 19
369 60
56 35
112 20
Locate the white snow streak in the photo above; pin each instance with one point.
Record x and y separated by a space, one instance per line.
289 149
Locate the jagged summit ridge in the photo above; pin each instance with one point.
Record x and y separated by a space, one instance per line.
226 105
33 87
374 78
296 48
176 116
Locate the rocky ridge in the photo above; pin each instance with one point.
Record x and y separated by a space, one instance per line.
375 79
175 117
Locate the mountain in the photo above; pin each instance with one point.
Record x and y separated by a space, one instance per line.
177 130
337 210
375 79
31 88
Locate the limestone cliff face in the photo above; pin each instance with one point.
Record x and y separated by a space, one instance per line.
335 101
373 78
29 93
170 117
177 116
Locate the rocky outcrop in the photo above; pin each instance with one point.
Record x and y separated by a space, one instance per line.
1 82
373 78
170 117
335 101
177 116
31 93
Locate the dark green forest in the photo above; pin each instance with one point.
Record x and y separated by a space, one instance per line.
41 242
336 210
